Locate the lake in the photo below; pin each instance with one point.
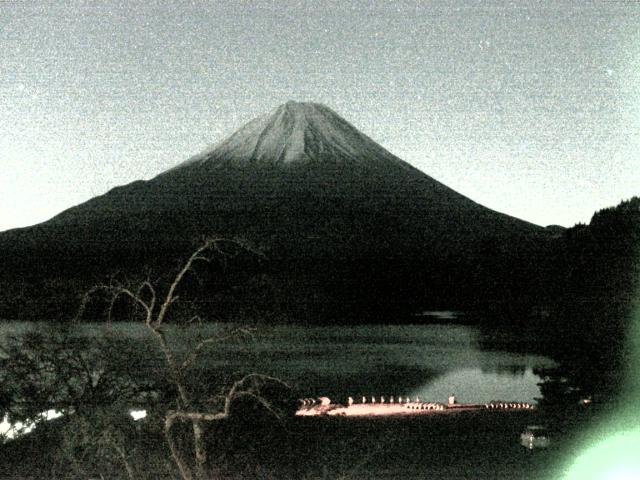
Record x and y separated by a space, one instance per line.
430 361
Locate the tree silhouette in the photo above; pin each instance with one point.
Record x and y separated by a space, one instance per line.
154 306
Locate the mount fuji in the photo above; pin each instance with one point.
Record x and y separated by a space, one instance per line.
343 221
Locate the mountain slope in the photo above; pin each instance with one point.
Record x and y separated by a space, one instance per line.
335 212
301 157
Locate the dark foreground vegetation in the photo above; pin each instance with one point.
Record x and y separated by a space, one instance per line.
588 326
232 426
98 379
457 446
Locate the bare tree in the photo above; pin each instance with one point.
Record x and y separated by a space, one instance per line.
155 308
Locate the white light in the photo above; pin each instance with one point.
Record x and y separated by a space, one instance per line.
138 414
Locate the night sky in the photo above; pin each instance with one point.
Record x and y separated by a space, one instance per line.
531 108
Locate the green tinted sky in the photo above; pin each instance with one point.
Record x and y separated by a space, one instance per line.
528 107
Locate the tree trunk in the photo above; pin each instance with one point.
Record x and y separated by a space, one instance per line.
185 471
200 449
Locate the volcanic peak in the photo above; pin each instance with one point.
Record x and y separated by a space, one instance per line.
297 132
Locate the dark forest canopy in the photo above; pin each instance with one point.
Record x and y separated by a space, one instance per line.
586 267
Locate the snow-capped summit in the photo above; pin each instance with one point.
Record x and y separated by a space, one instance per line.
297 132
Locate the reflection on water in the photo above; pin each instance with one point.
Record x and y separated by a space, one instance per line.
476 385
431 361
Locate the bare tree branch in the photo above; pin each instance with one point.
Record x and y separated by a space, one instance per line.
191 358
207 417
174 368
146 296
147 284
195 256
116 291
235 389
262 401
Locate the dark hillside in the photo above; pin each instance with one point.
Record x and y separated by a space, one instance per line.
350 230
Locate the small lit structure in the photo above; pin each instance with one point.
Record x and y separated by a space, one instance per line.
404 405
534 436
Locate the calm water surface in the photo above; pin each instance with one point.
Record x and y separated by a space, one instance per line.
432 361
